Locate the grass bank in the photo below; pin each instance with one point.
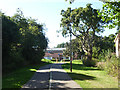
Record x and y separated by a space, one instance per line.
19 77
90 77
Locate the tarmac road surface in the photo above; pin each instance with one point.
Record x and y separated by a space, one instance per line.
50 77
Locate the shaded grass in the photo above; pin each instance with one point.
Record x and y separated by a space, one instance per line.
90 77
19 77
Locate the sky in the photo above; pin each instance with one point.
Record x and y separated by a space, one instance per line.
48 12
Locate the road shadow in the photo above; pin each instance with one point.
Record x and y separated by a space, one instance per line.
82 77
60 78
63 76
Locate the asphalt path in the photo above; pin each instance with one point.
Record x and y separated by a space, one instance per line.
51 76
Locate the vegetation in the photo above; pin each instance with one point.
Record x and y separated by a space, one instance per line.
19 77
83 23
62 45
24 41
111 13
109 62
90 77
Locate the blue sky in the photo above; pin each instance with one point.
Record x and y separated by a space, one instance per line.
48 12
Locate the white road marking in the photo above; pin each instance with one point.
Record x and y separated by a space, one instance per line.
50 78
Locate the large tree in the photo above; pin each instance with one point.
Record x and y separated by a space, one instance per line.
10 39
33 41
84 23
110 13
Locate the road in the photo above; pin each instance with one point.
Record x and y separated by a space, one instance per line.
50 77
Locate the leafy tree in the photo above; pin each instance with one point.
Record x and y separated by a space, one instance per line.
33 41
85 23
76 48
111 12
62 45
10 39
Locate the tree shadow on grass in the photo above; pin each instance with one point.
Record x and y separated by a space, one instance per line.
79 67
76 76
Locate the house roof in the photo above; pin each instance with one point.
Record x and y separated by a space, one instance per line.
52 55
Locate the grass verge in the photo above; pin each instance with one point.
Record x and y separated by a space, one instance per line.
19 77
90 77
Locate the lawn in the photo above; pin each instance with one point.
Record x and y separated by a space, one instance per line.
19 77
90 77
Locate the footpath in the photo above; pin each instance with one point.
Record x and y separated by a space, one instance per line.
51 76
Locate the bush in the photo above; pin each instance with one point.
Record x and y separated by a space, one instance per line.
89 63
100 65
111 65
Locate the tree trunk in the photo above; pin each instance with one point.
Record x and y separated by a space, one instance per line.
89 55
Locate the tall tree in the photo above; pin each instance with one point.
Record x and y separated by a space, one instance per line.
111 13
33 41
85 23
10 39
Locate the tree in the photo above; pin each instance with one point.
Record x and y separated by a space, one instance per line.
33 41
62 45
76 48
85 23
103 44
111 13
10 39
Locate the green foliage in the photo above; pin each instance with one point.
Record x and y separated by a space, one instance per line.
109 62
101 65
90 77
104 55
96 52
62 45
83 23
24 41
17 78
111 65
89 63
111 14
76 48
47 60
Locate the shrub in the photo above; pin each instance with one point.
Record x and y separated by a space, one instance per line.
111 65
89 63
100 65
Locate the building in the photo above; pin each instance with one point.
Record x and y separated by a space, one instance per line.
117 44
55 53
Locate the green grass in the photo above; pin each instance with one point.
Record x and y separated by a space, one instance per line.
19 77
90 77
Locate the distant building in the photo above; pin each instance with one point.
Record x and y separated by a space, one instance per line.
54 53
117 44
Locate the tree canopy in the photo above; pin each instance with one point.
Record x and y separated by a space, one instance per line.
83 23
24 41
110 13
